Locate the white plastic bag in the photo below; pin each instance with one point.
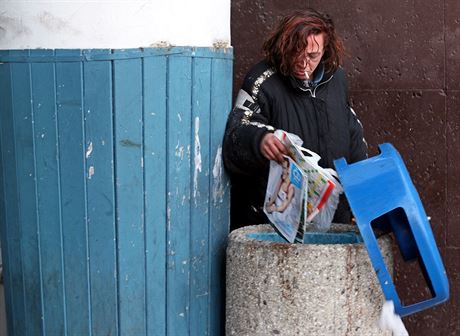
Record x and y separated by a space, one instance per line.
390 321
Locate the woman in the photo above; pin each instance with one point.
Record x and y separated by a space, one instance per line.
299 87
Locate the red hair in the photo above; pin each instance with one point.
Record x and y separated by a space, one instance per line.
289 39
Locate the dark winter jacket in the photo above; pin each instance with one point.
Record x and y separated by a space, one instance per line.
319 114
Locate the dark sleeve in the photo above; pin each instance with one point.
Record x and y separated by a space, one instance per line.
358 145
246 125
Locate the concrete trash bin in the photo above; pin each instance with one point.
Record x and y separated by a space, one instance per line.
324 287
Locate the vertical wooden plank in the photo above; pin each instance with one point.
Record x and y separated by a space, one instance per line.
219 191
130 198
73 193
5 104
4 240
3 231
179 121
25 169
100 188
11 249
155 72
48 193
199 217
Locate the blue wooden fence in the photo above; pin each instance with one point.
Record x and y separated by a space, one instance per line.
114 207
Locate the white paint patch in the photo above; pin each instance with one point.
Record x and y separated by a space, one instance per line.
217 173
168 219
125 24
180 151
203 294
90 172
197 158
179 117
89 150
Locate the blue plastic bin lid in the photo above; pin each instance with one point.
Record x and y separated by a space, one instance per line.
382 196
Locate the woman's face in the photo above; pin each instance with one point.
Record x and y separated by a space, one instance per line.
285 173
308 60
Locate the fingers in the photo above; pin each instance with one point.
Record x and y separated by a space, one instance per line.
280 146
272 148
267 152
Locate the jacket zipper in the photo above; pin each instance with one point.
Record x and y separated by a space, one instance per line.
313 93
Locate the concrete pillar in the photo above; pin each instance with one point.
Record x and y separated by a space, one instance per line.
325 288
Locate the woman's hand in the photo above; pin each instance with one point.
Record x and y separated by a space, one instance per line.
272 148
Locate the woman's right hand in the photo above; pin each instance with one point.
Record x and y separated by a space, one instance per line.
272 148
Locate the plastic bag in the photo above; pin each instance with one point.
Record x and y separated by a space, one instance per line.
324 188
390 321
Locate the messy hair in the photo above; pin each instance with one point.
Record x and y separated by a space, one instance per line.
290 38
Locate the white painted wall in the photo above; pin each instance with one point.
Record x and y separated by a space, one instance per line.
51 24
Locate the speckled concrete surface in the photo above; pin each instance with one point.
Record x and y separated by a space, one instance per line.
296 289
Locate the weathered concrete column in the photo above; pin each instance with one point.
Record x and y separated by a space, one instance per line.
324 288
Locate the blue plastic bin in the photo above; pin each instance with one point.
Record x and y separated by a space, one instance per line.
382 196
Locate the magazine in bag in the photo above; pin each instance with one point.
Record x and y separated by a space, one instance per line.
285 198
